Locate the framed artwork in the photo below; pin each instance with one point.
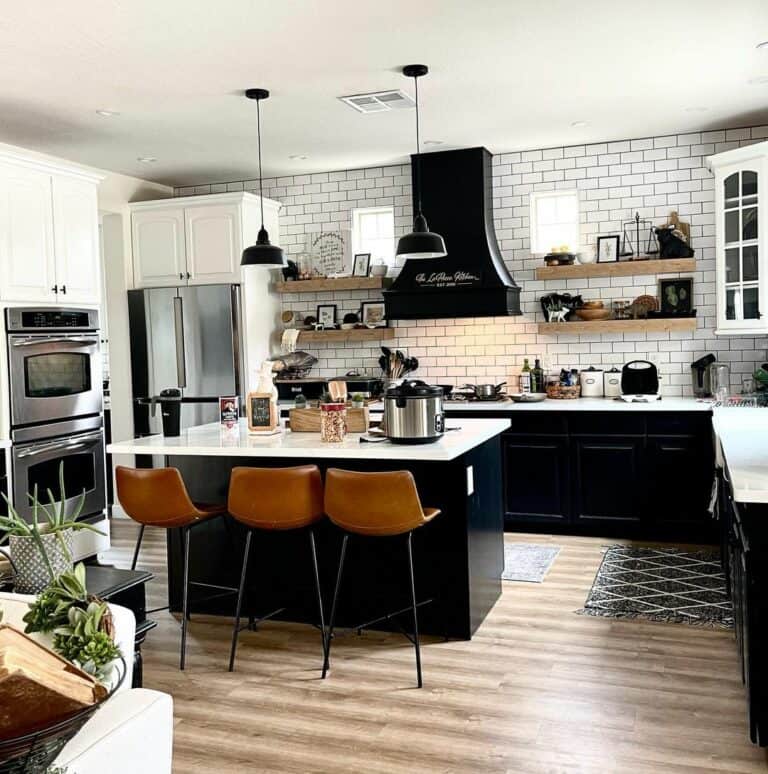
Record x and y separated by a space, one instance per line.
608 249
676 296
326 315
361 264
372 314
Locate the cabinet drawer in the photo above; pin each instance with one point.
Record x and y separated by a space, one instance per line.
614 423
537 423
679 424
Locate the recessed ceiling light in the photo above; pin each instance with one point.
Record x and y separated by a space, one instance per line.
107 113
579 124
298 157
764 44
433 142
759 81
146 159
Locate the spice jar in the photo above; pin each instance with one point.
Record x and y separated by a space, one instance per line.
333 422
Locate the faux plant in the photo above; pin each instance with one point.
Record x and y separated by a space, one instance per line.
81 624
47 518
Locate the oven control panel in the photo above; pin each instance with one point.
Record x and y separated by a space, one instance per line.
24 319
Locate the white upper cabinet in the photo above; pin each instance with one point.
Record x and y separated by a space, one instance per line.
196 240
76 241
214 243
27 260
741 226
159 255
49 238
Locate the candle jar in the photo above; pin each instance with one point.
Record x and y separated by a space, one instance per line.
333 422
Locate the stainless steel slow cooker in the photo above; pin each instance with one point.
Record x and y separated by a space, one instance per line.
413 412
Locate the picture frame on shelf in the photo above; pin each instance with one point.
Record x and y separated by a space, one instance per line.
373 314
608 248
326 315
361 264
676 297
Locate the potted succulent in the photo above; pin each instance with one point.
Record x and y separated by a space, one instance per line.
41 550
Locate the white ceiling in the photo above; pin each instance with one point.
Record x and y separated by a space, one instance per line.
507 74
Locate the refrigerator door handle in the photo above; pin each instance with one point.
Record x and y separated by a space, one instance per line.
178 330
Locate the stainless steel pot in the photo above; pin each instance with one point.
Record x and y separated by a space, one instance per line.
485 391
413 412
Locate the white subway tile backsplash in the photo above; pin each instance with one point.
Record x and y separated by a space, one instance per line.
649 175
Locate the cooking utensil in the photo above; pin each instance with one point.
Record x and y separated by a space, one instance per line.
528 397
338 391
413 412
485 391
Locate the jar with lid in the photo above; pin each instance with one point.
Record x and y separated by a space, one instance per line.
333 422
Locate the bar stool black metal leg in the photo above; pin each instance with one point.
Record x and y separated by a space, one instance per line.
333 606
185 599
240 591
317 588
415 616
138 547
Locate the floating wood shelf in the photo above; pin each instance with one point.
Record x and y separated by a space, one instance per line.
616 269
656 325
324 285
354 334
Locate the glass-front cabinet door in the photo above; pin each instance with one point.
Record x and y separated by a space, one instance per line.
741 221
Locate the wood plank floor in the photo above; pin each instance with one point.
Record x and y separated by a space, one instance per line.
539 690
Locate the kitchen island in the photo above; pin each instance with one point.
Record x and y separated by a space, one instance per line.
459 557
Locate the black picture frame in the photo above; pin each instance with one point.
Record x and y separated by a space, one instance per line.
361 264
321 309
611 248
676 297
380 323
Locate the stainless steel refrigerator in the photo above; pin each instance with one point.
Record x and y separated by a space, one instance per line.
187 338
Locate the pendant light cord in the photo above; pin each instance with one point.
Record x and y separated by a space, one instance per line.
261 184
418 149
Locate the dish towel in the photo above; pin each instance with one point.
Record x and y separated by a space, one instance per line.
290 337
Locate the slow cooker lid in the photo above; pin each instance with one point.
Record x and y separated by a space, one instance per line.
415 388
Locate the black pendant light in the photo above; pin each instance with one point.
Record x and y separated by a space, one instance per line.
262 253
421 242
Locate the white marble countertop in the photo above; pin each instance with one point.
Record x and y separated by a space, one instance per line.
212 441
742 435
580 404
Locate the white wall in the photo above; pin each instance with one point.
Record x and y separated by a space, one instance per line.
649 175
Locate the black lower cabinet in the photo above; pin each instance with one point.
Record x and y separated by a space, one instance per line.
643 474
537 481
608 480
746 560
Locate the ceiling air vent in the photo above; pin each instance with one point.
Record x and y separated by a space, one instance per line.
379 101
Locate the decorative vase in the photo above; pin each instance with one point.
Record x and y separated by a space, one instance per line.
30 569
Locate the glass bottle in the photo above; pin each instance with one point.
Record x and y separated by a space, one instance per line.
525 377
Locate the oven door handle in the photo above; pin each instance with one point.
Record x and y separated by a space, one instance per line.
75 443
45 341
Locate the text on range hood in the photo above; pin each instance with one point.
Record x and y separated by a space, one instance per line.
471 280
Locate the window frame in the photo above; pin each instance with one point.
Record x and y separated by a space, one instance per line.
357 231
535 198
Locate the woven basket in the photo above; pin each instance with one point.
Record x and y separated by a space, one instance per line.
560 392
34 753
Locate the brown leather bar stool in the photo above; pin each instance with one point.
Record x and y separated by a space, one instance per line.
375 505
157 497
270 499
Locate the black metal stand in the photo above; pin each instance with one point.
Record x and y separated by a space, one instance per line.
413 608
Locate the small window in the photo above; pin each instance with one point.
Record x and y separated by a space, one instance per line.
554 221
373 231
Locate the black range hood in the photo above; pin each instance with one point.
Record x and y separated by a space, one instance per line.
471 280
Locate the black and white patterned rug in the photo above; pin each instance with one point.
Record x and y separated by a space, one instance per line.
661 584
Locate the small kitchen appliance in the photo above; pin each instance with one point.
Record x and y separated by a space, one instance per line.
639 377
701 376
413 412
591 380
612 383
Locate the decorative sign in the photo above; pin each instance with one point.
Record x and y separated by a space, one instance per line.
262 414
443 279
228 411
329 252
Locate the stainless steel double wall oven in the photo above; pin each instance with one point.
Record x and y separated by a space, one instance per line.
55 374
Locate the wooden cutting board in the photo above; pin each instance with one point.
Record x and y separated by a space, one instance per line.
308 420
